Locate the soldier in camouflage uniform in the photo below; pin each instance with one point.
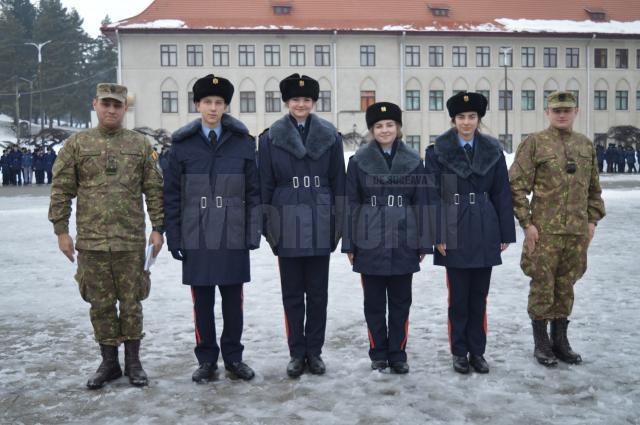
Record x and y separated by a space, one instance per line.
109 168
560 167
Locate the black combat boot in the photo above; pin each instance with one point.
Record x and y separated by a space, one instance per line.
542 350
316 365
132 366
478 363
108 370
295 367
240 370
205 372
399 368
379 365
460 364
560 342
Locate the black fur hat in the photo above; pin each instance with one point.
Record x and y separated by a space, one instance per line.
213 86
296 85
383 111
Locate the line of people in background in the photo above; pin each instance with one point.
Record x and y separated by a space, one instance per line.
20 164
616 157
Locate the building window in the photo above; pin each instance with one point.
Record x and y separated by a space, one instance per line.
550 57
575 94
436 56
637 100
528 100
433 138
459 56
505 56
272 55
412 100
439 11
600 58
600 100
169 102
414 143
436 100
246 55
622 100
412 55
622 58
545 96
191 107
194 55
573 57
272 101
486 94
323 55
528 57
220 55
296 55
638 58
367 55
367 98
168 55
483 56
282 10
247 101
507 142
505 100
324 101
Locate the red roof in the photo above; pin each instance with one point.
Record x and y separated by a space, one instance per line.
375 15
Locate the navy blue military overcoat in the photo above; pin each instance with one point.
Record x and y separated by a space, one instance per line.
212 203
475 210
386 211
302 187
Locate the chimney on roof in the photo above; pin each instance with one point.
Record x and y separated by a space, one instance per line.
439 11
597 15
281 8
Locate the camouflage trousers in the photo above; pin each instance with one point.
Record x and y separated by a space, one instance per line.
107 278
555 265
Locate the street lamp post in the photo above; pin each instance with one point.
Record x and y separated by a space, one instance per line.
506 63
39 47
30 102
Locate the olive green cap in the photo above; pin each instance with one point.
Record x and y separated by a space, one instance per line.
561 99
111 91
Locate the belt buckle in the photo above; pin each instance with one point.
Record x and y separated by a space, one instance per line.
316 180
472 198
296 182
456 199
399 200
203 202
373 201
218 201
390 200
306 180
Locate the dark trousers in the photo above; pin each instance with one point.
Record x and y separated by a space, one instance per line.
600 166
468 290
387 343
49 176
39 176
207 349
305 284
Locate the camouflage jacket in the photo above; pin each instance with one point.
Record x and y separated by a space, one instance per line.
562 203
109 173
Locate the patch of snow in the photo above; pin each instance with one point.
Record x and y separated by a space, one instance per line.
157 24
567 26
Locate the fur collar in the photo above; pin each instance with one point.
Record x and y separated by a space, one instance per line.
321 136
228 124
370 160
487 152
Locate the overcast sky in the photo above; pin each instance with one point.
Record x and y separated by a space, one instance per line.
93 11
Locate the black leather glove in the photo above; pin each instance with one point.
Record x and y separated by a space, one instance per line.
178 254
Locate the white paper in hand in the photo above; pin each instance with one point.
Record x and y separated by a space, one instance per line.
149 258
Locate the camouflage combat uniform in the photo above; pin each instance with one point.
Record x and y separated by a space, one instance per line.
109 172
562 206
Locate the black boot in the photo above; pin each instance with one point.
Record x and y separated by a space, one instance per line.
295 367
132 366
316 365
478 363
205 372
560 342
379 365
108 370
460 364
399 368
542 350
240 370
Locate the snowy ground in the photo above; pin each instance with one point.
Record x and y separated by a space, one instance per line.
47 349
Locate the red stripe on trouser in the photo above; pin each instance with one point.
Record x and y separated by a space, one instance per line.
195 321
372 344
406 335
448 305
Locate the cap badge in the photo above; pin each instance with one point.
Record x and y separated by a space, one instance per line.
215 81
301 83
466 98
383 109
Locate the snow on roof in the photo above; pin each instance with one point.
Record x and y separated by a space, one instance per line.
566 26
157 24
